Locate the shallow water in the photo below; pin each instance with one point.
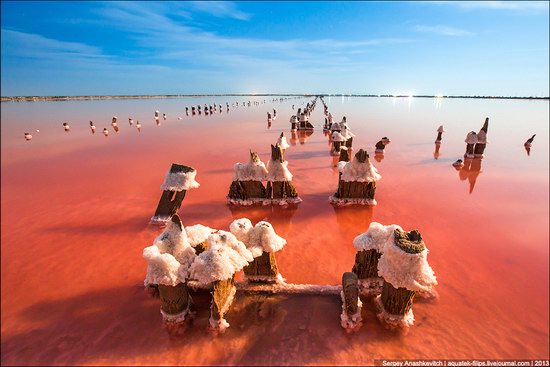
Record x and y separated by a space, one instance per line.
76 207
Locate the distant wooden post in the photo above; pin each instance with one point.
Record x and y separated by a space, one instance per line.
344 154
440 132
481 140
173 193
471 140
356 190
350 319
92 127
337 141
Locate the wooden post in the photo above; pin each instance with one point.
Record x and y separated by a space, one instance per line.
471 140
395 303
360 192
350 319
280 190
222 297
366 269
440 132
380 146
175 304
170 201
344 154
263 269
247 191
481 140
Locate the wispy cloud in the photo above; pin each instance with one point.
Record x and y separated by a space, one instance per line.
507 5
220 9
442 30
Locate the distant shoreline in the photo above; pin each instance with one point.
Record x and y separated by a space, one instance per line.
175 96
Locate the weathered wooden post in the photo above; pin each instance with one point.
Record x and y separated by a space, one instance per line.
335 126
279 180
247 187
92 127
481 140
66 126
177 181
105 131
369 246
440 132
193 111
130 121
293 123
471 140
262 241
114 123
187 111
348 136
216 267
138 125
157 114
344 154
169 260
405 270
527 145
357 182
350 318
337 141
28 136
283 143
381 145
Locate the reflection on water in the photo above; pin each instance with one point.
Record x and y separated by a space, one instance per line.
86 229
436 151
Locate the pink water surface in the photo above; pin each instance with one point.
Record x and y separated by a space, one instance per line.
75 211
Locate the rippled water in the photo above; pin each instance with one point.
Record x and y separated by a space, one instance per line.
76 206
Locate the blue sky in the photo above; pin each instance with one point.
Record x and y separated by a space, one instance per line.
451 48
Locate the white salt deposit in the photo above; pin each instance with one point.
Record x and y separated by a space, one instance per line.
393 321
163 268
346 133
375 237
251 171
356 171
440 129
260 238
198 233
336 136
225 256
351 201
282 142
471 138
178 181
177 318
278 171
370 286
401 269
482 137
335 127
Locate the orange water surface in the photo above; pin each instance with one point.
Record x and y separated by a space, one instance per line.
76 206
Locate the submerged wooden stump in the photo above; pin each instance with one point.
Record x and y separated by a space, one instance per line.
349 142
366 269
469 150
355 190
222 297
170 201
397 301
263 269
350 319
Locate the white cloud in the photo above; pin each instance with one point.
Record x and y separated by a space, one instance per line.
221 9
508 5
443 30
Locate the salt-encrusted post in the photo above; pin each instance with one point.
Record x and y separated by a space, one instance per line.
283 143
294 123
92 127
347 135
262 241
357 182
66 126
381 145
337 141
471 140
481 140
193 110
157 114
440 132
247 187
177 181
350 318
405 270
216 267
197 236
369 246
279 180
344 154
527 145
169 259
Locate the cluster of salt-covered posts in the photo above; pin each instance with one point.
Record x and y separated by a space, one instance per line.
391 268
196 258
247 187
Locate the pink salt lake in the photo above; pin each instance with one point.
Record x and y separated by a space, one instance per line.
76 206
